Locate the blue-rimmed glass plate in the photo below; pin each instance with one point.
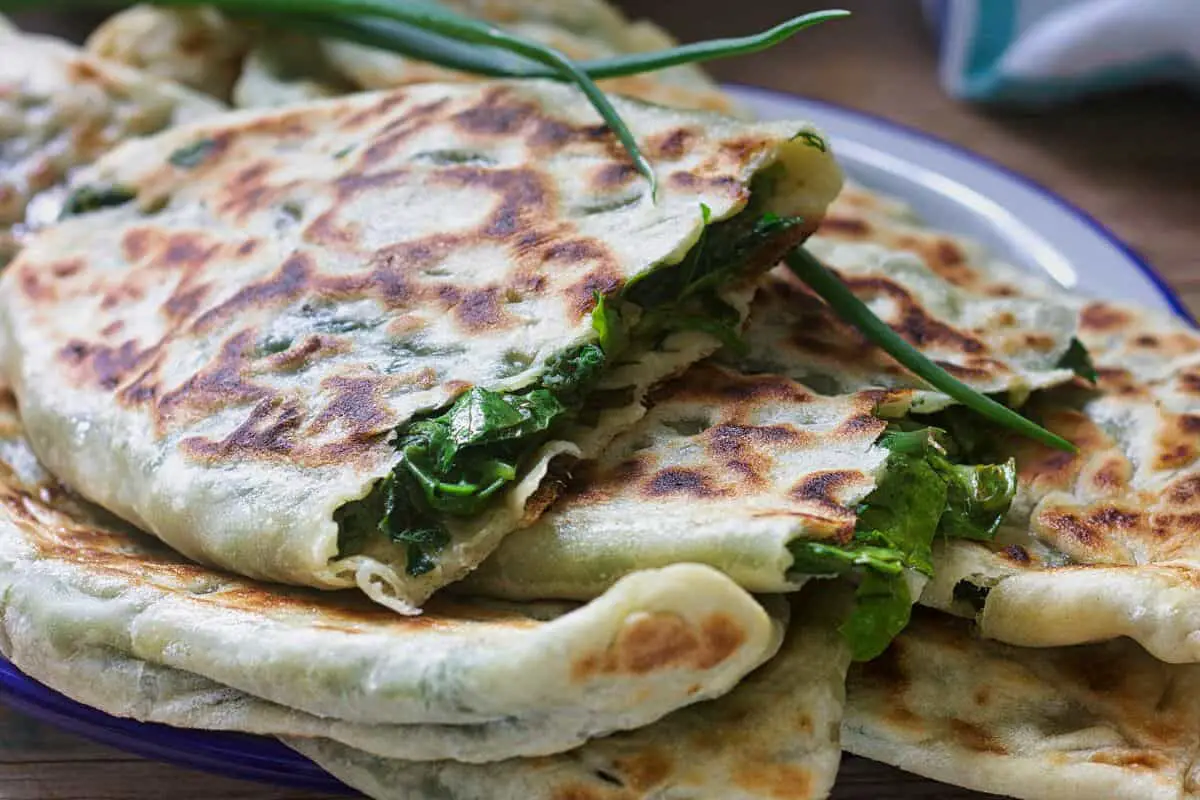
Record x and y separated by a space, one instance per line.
953 189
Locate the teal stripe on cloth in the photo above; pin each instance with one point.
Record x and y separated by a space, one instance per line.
995 87
995 29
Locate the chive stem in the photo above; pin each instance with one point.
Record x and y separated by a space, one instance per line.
855 312
386 34
440 36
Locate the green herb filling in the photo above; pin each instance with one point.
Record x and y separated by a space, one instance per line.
925 492
455 462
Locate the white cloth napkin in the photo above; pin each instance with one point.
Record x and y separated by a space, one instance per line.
1032 52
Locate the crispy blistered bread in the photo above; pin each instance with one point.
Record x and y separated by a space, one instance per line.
223 359
775 736
1105 542
61 109
1074 723
114 619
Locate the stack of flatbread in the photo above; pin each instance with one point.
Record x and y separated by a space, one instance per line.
390 414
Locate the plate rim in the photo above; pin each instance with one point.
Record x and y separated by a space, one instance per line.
25 694
1168 294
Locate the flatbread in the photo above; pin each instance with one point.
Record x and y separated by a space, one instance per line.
202 49
1098 545
738 460
1105 720
197 47
61 109
686 87
114 619
1105 543
774 736
223 362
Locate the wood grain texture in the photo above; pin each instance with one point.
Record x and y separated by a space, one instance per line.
1131 161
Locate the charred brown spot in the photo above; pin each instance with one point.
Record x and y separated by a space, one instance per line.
218 385
976 370
680 481
137 244
1071 527
575 251
660 641
1146 340
915 323
66 269
763 388
184 303
551 134
106 366
950 254
646 769
247 248
860 426
124 293
1114 474
581 296
1102 317
386 144
1111 517
354 183
269 430
357 405
1136 759
845 226
775 781
976 738
821 488
327 231
1016 554
612 176
33 287
482 309
1184 491
728 439
496 115
288 284
186 251
1173 456
675 144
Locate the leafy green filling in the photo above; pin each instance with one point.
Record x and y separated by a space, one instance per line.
454 463
924 493
94 197
686 297
1079 360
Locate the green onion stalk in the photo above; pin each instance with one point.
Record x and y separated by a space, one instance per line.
439 36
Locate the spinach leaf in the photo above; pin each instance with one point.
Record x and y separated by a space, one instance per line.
903 511
818 558
94 197
882 606
606 322
719 255
572 375
978 497
922 494
480 416
1079 360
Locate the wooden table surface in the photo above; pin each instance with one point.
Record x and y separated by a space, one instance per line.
1131 161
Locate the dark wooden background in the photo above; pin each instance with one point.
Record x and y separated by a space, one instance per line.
1131 160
